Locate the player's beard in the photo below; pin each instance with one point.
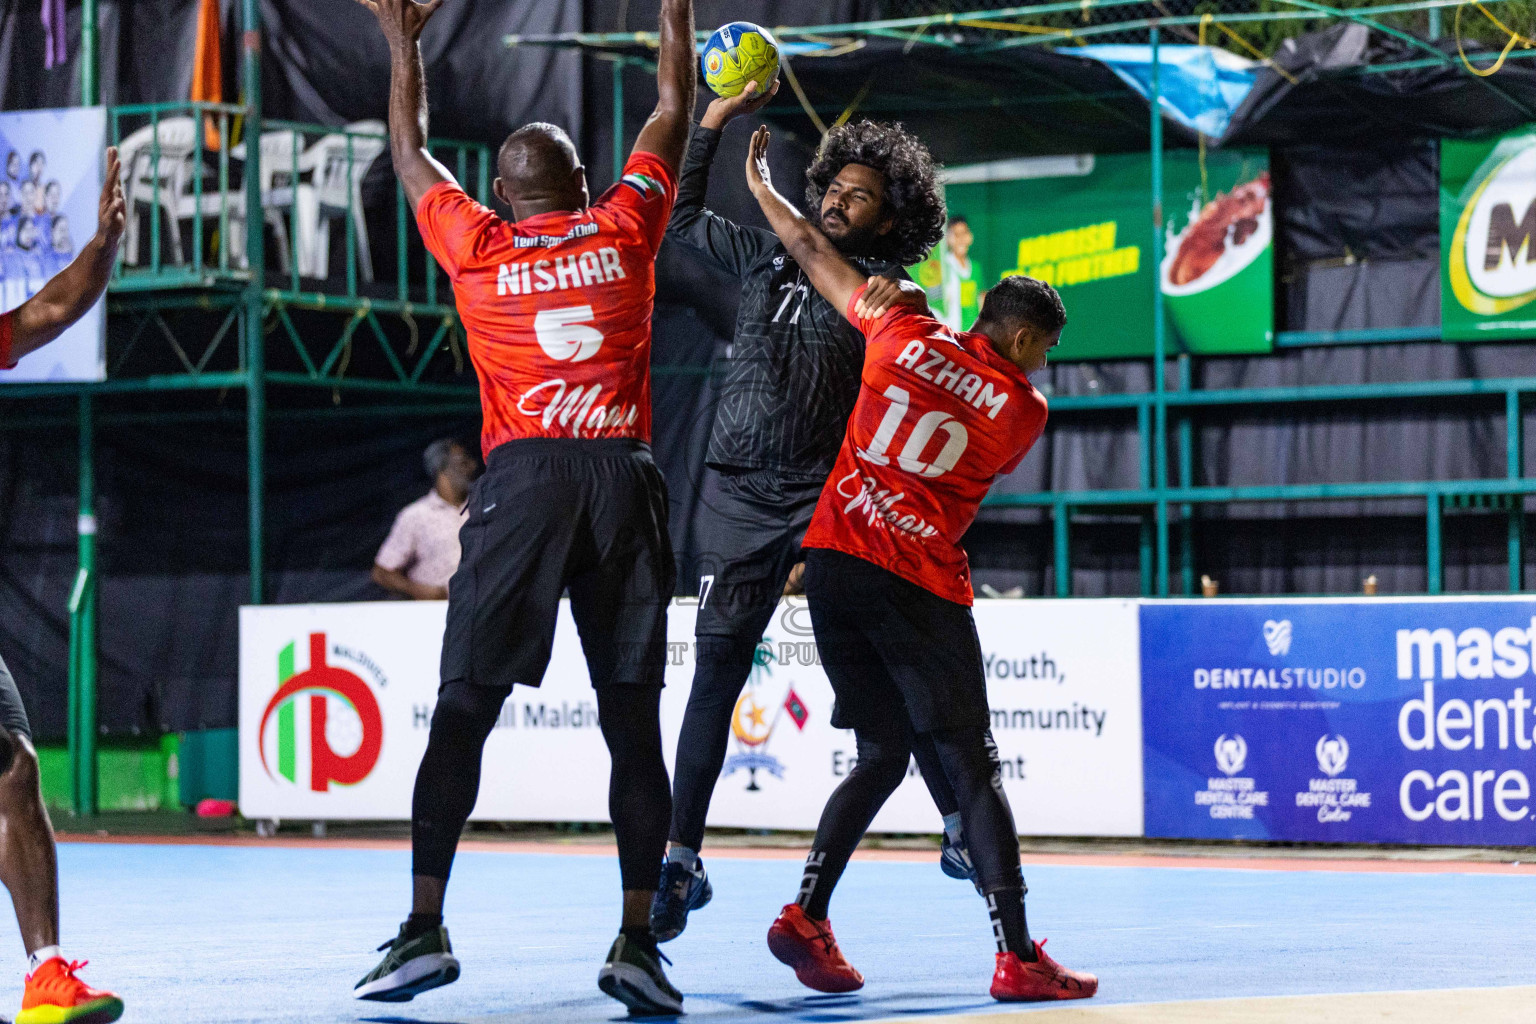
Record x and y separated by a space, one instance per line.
851 241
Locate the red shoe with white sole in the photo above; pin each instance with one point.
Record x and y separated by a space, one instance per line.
1016 981
808 947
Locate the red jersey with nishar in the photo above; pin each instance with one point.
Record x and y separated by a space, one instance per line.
940 416
557 307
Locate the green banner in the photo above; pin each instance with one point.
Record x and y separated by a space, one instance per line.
1084 224
1488 237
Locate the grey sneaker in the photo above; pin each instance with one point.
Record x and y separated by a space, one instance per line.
634 977
411 967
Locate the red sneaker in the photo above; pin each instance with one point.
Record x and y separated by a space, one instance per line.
1018 982
808 947
55 996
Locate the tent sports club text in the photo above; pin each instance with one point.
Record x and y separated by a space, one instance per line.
1452 723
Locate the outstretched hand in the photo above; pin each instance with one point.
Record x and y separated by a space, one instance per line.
725 109
759 177
402 20
112 211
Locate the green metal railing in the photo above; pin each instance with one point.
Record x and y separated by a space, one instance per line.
199 179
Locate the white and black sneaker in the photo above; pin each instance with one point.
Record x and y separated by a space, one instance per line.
410 967
633 976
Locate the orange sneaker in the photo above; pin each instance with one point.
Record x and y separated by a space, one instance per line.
808 947
55 996
1016 981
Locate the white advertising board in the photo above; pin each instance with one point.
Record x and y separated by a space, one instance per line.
335 703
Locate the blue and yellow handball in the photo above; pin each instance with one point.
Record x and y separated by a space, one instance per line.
739 53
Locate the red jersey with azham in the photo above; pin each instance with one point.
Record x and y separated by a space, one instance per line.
557 307
940 416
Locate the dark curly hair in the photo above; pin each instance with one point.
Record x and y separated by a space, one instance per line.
912 189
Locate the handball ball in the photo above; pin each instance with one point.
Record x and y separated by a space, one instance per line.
739 53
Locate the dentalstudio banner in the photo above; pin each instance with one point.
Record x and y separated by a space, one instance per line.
1406 721
1488 237
1084 225
336 701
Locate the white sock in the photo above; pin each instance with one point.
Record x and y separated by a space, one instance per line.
42 956
684 856
952 826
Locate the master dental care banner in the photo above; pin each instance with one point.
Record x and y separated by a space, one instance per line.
336 700
1084 224
1399 721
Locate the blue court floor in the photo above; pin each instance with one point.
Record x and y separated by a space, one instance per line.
224 934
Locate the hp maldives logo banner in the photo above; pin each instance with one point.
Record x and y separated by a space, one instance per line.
340 748
1410 721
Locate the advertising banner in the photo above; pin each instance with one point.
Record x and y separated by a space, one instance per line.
336 700
1084 225
1488 237
50 185
1369 720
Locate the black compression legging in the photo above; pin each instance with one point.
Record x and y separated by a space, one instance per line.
883 755
969 762
969 757
723 665
639 796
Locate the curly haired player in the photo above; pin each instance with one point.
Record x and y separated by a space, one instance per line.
786 387
940 415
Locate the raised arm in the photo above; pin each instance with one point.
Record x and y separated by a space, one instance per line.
677 76
402 22
75 289
732 246
830 272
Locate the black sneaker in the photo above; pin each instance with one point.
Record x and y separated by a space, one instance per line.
955 860
633 976
410 967
678 892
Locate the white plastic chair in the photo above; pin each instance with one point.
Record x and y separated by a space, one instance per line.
277 163
156 181
337 179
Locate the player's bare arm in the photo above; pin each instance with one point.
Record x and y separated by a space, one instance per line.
830 272
666 132
76 288
402 22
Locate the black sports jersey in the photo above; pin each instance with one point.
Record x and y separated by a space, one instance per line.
790 376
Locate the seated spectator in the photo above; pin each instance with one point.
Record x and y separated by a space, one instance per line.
421 552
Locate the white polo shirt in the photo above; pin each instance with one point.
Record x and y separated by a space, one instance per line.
424 542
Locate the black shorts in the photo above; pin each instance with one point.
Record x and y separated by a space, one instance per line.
551 514
748 533
888 645
13 714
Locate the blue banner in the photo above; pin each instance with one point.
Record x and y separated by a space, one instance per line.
1341 721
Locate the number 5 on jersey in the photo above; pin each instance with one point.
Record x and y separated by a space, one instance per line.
929 423
566 334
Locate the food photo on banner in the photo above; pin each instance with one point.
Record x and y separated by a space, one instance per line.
336 701
50 184
1405 721
1488 237
1083 224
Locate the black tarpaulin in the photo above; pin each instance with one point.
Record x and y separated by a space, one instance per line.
1334 98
